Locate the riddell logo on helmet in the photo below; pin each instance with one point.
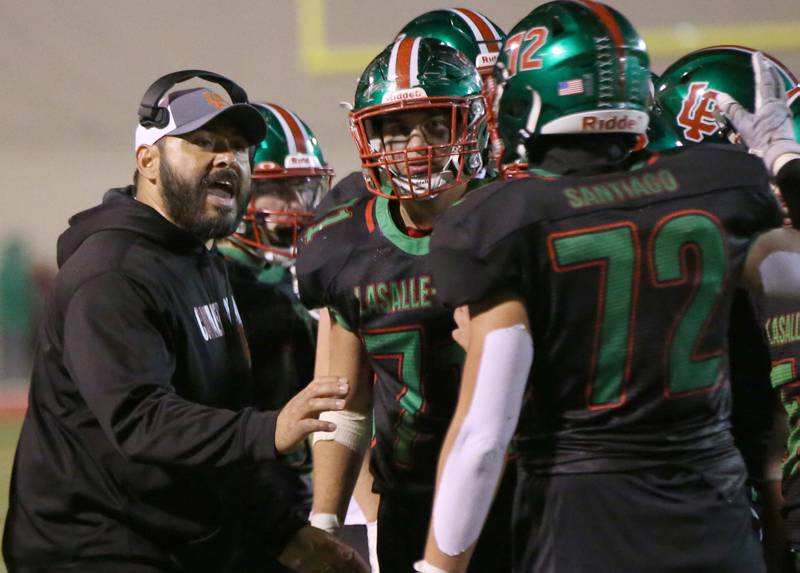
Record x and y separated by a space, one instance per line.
614 123
298 162
404 95
486 60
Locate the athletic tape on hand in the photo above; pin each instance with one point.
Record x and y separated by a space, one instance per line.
425 567
328 522
372 546
352 430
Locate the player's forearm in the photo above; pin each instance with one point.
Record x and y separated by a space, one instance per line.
433 553
338 454
366 498
472 458
334 477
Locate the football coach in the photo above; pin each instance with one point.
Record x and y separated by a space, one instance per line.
138 442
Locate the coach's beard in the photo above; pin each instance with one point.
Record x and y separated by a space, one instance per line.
186 202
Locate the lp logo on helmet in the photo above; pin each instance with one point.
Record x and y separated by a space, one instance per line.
697 112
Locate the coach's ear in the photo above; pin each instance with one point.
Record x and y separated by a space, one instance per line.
148 158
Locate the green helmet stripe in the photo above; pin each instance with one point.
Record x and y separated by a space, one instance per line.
487 36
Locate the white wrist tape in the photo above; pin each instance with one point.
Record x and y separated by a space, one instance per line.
328 522
372 546
476 459
780 274
425 567
352 430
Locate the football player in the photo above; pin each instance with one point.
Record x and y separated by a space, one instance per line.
419 123
289 177
479 39
688 94
610 274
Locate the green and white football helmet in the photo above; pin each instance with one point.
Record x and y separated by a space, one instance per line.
569 67
687 90
472 34
289 178
661 134
420 75
465 30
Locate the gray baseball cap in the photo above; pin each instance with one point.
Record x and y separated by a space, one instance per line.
193 108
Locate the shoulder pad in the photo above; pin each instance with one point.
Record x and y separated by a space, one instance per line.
325 247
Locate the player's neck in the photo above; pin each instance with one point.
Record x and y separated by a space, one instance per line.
422 214
584 155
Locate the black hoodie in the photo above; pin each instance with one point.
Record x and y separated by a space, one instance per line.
137 440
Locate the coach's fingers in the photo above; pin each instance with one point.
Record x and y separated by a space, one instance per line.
316 406
329 386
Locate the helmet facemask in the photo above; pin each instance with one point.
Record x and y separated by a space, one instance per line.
280 208
452 131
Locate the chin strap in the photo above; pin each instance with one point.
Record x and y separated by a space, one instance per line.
530 125
414 186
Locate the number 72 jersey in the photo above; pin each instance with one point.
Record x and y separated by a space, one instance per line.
628 280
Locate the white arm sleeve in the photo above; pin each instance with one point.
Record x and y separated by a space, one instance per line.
780 274
475 463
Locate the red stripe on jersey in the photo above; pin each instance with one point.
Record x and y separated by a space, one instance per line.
294 127
403 63
488 36
608 20
369 216
416 233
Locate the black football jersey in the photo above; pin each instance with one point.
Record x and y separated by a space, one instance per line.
350 187
377 282
754 400
782 329
628 280
280 332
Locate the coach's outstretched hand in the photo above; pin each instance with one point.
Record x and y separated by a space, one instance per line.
768 131
299 417
311 550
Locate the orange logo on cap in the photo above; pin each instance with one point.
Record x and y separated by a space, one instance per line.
214 99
